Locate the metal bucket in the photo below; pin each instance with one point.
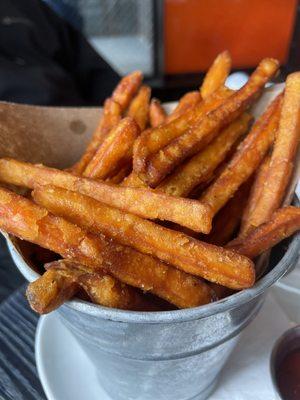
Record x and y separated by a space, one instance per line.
172 355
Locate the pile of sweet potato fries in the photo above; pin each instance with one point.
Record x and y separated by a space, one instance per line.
173 207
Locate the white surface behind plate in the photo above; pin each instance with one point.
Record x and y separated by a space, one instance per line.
66 373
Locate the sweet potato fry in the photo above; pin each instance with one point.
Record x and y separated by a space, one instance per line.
133 180
153 140
257 187
110 117
187 102
127 88
120 175
21 217
228 219
216 75
248 157
284 222
64 278
157 114
283 154
175 248
199 168
139 107
143 202
50 291
115 151
195 139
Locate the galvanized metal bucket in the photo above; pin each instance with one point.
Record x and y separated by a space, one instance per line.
172 355
164 355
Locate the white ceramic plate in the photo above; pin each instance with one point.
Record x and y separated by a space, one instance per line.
65 371
67 374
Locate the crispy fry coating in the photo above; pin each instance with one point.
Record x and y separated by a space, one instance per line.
110 117
121 175
64 278
157 114
184 252
143 202
21 217
199 168
50 291
283 154
228 219
216 75
127 88
133 180
139 107
283 223
152 140
255 193
115 151
187 102
195 139
248 157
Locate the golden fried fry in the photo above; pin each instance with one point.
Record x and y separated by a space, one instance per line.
127 88
152 140
228 219
175 248
143 202
64 278
283 223
257 187
133 180
216 75
157 114
187 102
283 155
121 175
110 117
248 157
200 168
139 107
115 151
22 218
50 291
191 142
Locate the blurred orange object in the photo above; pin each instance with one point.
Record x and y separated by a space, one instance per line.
195 31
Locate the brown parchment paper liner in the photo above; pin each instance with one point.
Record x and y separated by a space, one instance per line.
57 136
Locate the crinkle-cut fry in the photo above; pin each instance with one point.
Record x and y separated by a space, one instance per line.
189 255
283 223
228 219
200 167
216 75
152 140
64 278
122 174
283 154
257 187
187 102
139 107
127 88
21 217
110 117
247 158
157 114
115 151
191 142
146 203
133 180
